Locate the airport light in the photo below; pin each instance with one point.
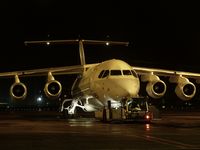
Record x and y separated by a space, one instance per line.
39 99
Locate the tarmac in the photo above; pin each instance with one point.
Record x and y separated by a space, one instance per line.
178 119
170 119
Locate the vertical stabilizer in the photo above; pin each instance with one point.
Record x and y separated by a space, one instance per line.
81 52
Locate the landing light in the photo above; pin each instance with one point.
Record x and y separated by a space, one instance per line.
48 43
107 43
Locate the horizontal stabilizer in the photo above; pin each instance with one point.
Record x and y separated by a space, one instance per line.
90 42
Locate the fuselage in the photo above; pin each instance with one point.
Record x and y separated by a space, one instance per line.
112 80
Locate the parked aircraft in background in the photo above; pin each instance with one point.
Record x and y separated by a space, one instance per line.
111 80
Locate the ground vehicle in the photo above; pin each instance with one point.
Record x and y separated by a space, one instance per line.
136 109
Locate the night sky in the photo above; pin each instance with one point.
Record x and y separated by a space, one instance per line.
162 34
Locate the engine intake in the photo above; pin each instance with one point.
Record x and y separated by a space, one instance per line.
185 89
18 89
53 87
155 88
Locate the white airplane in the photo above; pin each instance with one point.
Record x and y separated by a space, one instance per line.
111 80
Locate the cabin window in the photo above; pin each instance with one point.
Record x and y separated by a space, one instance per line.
127 72
115 72
105 74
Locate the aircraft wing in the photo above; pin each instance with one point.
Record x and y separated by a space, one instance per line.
76 69
165 72
156 88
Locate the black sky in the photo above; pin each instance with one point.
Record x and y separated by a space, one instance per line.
162 33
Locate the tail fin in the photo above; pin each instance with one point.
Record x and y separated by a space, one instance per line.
81 48
81 53
90 42
80 42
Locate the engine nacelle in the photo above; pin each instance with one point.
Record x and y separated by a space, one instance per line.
185 91
53 87
155 88
18 89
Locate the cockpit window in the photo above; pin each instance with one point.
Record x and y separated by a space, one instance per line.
115 72
126 72
134 73
101 73
105 74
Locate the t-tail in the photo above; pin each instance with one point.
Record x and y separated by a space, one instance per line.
80 42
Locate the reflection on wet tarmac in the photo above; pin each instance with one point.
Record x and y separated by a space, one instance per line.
86 122
87 133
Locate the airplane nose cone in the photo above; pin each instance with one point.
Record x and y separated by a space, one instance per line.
130 89
126 88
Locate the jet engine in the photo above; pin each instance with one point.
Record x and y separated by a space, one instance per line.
53 87
18 89
155 88
185 89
